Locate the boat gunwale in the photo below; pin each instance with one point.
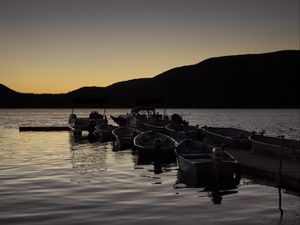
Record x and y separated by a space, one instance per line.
226 137
225 152
151 148
268 144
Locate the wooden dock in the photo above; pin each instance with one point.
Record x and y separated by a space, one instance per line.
267 167
43 129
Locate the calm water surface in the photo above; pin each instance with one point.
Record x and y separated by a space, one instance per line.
48 178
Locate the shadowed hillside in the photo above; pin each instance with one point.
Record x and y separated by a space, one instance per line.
5 91
256 80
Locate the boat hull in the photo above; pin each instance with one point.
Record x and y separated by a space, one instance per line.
208 169
215 136
144 144
104 132
120 120
123 142
200 160
124 137
263 145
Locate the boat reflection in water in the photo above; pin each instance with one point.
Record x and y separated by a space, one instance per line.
215 189
161 163
88 155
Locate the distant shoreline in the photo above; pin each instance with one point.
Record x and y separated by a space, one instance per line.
155 107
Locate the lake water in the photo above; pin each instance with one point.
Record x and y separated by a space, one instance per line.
48 178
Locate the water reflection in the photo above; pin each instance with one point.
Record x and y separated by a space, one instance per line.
118 147
216 194
88 155
84 138
215 189
279 205
36 171
160 164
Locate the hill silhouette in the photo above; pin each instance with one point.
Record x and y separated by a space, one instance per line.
252 80
5 91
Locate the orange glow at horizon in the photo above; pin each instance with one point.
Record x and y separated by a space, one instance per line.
57 48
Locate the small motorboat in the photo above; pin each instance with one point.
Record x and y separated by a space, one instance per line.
150 142
104 132
79 124
124 136
272 146
229 137
200 160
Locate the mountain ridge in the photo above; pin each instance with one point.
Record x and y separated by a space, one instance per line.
248 80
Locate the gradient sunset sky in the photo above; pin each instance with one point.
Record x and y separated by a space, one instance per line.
55 46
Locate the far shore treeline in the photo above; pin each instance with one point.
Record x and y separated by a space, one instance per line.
269 80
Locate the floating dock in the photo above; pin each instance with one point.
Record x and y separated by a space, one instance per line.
43 129
267 167
256 165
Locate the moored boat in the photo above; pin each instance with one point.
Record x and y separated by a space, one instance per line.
104 132
225 136
143 118
139 116
121 120
201 160
154 142
79 124
124 137
272 146
157 125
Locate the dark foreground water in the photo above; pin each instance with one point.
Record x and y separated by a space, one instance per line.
48 178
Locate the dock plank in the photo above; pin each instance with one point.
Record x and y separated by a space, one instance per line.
43 129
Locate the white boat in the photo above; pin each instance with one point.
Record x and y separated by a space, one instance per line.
201 160
79 124
124 137
150 142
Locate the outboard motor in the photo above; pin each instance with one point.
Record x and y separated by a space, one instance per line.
91 128
72 117
217 154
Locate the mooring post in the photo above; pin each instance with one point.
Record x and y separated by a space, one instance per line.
279 179
280 160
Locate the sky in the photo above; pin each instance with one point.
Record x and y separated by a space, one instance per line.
55 46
